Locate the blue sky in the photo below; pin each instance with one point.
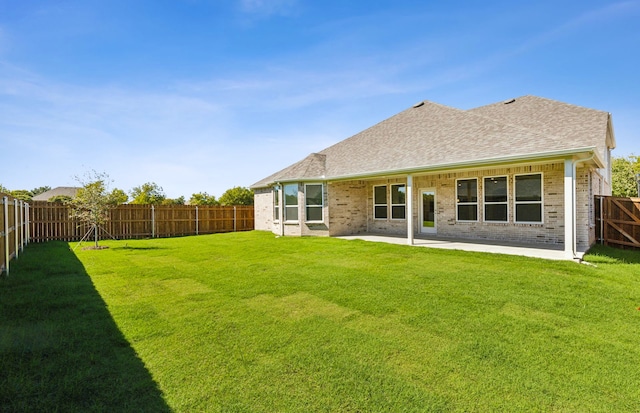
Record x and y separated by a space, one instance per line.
204 95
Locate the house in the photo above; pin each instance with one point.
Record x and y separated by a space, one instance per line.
522 170
69 191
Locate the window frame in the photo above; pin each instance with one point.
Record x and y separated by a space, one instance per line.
386 203
476 203
291 206
276 203
516 202
307 206
488 203
403 205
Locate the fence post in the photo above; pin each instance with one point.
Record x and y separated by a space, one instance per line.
234 219
16 238
22 203
196 219
27 214
153 222
5 202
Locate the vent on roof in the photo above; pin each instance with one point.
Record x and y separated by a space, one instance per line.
506 102
417 105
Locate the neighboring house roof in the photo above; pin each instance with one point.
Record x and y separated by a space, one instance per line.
69 191
433 136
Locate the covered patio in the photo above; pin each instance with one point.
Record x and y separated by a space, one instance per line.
549 252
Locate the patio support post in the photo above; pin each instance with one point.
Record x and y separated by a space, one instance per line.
569 210
409 203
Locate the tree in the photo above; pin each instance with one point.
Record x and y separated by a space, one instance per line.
22 194
118 196
147 194
93 201
203 198
3 189
237 196
623 175
39 190
172 201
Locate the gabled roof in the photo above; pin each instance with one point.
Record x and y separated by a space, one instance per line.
431 136
576 125
69 191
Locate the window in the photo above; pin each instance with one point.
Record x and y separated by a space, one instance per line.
380 202
495 199
291 202
313 202
467 199
276 203
528 198
398 201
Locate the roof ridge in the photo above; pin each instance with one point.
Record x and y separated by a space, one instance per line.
540 98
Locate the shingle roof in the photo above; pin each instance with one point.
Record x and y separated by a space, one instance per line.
576 125
432 135
69 191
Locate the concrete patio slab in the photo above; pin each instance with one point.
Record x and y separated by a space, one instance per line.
550 252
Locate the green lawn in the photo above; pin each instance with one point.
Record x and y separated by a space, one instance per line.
248 322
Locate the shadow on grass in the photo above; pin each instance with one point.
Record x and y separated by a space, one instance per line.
60 349
609 255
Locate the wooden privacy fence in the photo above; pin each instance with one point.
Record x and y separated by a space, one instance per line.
14 229
50 221
618 221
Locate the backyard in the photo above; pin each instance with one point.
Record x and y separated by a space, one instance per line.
250 322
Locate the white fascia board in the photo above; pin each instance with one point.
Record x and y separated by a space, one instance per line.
591 151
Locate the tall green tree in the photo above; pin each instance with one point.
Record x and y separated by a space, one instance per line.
623 176
22 194
237 196
119 196
3 189
173 201
203 198
148 193
93 201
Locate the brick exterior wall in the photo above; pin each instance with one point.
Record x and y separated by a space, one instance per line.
348 207
550 231
263 209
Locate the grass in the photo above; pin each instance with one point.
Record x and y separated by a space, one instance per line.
248 322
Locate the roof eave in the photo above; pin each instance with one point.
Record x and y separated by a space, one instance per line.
590 151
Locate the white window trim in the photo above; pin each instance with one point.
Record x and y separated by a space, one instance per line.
391 205
477 203
321 206
485 203
276 203
386 204
285 206
541 202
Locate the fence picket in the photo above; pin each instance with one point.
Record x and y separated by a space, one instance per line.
618 221
51 221
14 235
